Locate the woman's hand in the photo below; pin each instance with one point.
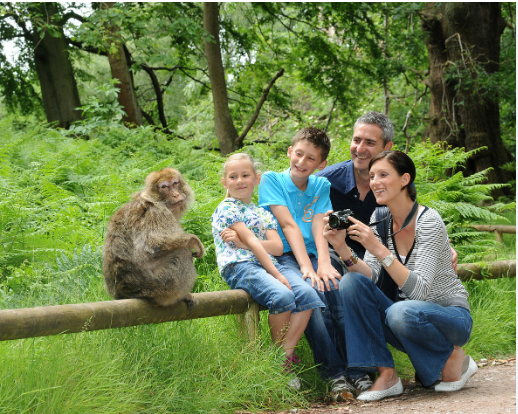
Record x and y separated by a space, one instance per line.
229 235
333 236
363 234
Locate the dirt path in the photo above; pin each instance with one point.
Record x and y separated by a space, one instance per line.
492 390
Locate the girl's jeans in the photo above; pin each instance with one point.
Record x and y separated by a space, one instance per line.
425 331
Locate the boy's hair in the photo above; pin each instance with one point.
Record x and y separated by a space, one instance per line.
382 121
315 136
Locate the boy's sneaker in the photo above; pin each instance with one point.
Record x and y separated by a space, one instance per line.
361 384
294 383
341 390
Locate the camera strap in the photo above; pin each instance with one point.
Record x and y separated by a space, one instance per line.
406 222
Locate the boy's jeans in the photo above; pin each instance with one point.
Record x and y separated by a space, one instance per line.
325 332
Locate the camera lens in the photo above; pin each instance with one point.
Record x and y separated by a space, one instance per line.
334 221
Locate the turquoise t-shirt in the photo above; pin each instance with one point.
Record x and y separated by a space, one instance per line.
277 189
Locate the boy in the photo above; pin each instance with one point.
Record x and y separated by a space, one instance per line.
299 200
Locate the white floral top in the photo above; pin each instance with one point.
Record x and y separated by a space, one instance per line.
255 218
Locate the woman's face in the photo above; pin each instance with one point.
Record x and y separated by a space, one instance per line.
385 181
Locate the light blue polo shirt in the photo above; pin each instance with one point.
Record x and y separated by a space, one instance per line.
277 189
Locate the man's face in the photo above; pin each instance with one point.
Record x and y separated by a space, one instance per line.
366 144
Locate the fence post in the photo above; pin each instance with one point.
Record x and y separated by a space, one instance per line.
249 321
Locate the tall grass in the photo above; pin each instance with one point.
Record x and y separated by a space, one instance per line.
56 196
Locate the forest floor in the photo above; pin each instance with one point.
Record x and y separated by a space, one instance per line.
492 390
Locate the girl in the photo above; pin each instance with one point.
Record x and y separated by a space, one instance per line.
246 240
428 317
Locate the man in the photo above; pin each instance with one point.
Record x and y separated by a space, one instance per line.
373 133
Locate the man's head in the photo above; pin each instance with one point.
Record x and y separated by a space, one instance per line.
308 152
373 133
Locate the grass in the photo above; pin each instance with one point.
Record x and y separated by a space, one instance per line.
63 191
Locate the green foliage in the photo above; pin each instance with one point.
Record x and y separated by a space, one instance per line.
101 111
56 196
461 201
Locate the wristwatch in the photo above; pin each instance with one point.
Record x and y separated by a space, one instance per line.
387 261
352 260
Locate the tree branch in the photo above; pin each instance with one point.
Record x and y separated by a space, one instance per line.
158 93
266 91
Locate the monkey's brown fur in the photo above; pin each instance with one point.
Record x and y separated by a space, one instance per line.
146 253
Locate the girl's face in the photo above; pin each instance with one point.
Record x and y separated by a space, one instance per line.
385 181
240 180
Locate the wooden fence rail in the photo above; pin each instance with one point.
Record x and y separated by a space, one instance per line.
497 229
84 317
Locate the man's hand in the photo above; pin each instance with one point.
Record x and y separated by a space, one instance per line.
454 259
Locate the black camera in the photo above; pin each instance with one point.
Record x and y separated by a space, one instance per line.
339 219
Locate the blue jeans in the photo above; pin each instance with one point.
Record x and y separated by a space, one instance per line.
325 332
425 331
268 291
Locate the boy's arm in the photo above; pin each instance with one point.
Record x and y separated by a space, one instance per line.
296 241
325 271
258 250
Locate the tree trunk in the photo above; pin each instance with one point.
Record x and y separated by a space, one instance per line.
56 76
223 125
120 70
463 42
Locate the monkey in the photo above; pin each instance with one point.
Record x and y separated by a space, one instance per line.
146 253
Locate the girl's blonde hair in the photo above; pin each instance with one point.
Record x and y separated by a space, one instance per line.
239 156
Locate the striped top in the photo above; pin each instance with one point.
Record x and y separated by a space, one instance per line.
431 277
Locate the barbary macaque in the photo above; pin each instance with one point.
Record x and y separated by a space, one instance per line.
147 254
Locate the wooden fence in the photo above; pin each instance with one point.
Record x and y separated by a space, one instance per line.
84 317
497 229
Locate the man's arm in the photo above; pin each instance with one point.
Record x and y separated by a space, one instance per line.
296 241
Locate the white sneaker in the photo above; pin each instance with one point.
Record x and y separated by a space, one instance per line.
341 384
361 384
295 384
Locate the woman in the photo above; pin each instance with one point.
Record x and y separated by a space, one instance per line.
430 319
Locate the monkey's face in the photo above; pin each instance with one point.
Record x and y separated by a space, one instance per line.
171 192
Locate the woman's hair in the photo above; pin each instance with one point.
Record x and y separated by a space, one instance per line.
402 163
239 156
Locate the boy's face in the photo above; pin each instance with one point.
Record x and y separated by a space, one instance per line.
305 158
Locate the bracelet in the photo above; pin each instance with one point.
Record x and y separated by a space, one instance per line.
351 261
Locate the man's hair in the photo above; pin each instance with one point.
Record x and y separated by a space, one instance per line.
380 120
315 136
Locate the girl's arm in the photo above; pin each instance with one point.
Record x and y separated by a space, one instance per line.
259 251
272 244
